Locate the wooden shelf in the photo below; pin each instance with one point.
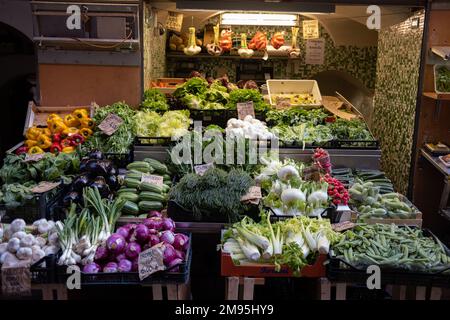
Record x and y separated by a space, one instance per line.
437 96
233 57
436 163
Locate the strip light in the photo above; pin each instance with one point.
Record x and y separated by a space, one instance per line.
259 19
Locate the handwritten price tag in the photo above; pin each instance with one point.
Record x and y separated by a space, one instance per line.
45 186
110 124
244 109
202 168
151 261
253 195
341 226
158 180
16 281
33 157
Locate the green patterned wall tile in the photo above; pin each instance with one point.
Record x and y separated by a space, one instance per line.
395 97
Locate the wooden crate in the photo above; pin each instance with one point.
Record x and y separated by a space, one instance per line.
37 115
167 85
259 270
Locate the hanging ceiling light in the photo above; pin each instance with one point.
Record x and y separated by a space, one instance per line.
258 19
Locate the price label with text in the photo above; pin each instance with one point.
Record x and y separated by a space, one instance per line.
244 109
253 195
341 226
110 124
158 180
151 261
16 281
33 157
45 186
202 168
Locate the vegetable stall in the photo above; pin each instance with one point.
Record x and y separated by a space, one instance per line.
216 180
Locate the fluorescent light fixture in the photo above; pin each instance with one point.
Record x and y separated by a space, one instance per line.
259 19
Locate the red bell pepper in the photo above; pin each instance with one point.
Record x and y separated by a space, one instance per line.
55 147
66 143
57 137
76 139
22 150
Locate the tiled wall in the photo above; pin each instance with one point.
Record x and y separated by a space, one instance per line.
359 62
395 97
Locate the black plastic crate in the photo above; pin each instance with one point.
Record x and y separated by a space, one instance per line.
179 213
154 141
44 271
328 213
132 278
40 206
120 160
343 271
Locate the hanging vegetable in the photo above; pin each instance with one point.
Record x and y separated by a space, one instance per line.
277 40
294 52
192 48
214 48
225 40
244 51
258 42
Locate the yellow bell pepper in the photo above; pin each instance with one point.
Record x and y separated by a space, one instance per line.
33 133
80 113
35 150
69 131
86 132
71 121
47 132
30 143
52 118
44 142
68 149
58 126
87 123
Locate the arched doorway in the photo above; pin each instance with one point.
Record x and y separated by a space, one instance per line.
17 84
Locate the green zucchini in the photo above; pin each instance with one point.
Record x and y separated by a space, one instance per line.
134 175
140 166
157 166
147 186
151 196
127 190
132 183
150 205
129 196
130 208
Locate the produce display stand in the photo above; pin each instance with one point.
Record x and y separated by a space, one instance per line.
240 280
354 158
342 275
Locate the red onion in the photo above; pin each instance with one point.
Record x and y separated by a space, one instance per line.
154 223
169 254
154 213
179 241
168 224
154 239
141 233
167 237
125 266
124 232
101 254
110 267
116 243
132 250
91 268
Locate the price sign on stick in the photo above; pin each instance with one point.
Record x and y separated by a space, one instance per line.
244 109
253 195
110 124
158 180
202 168
151 261
33 157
